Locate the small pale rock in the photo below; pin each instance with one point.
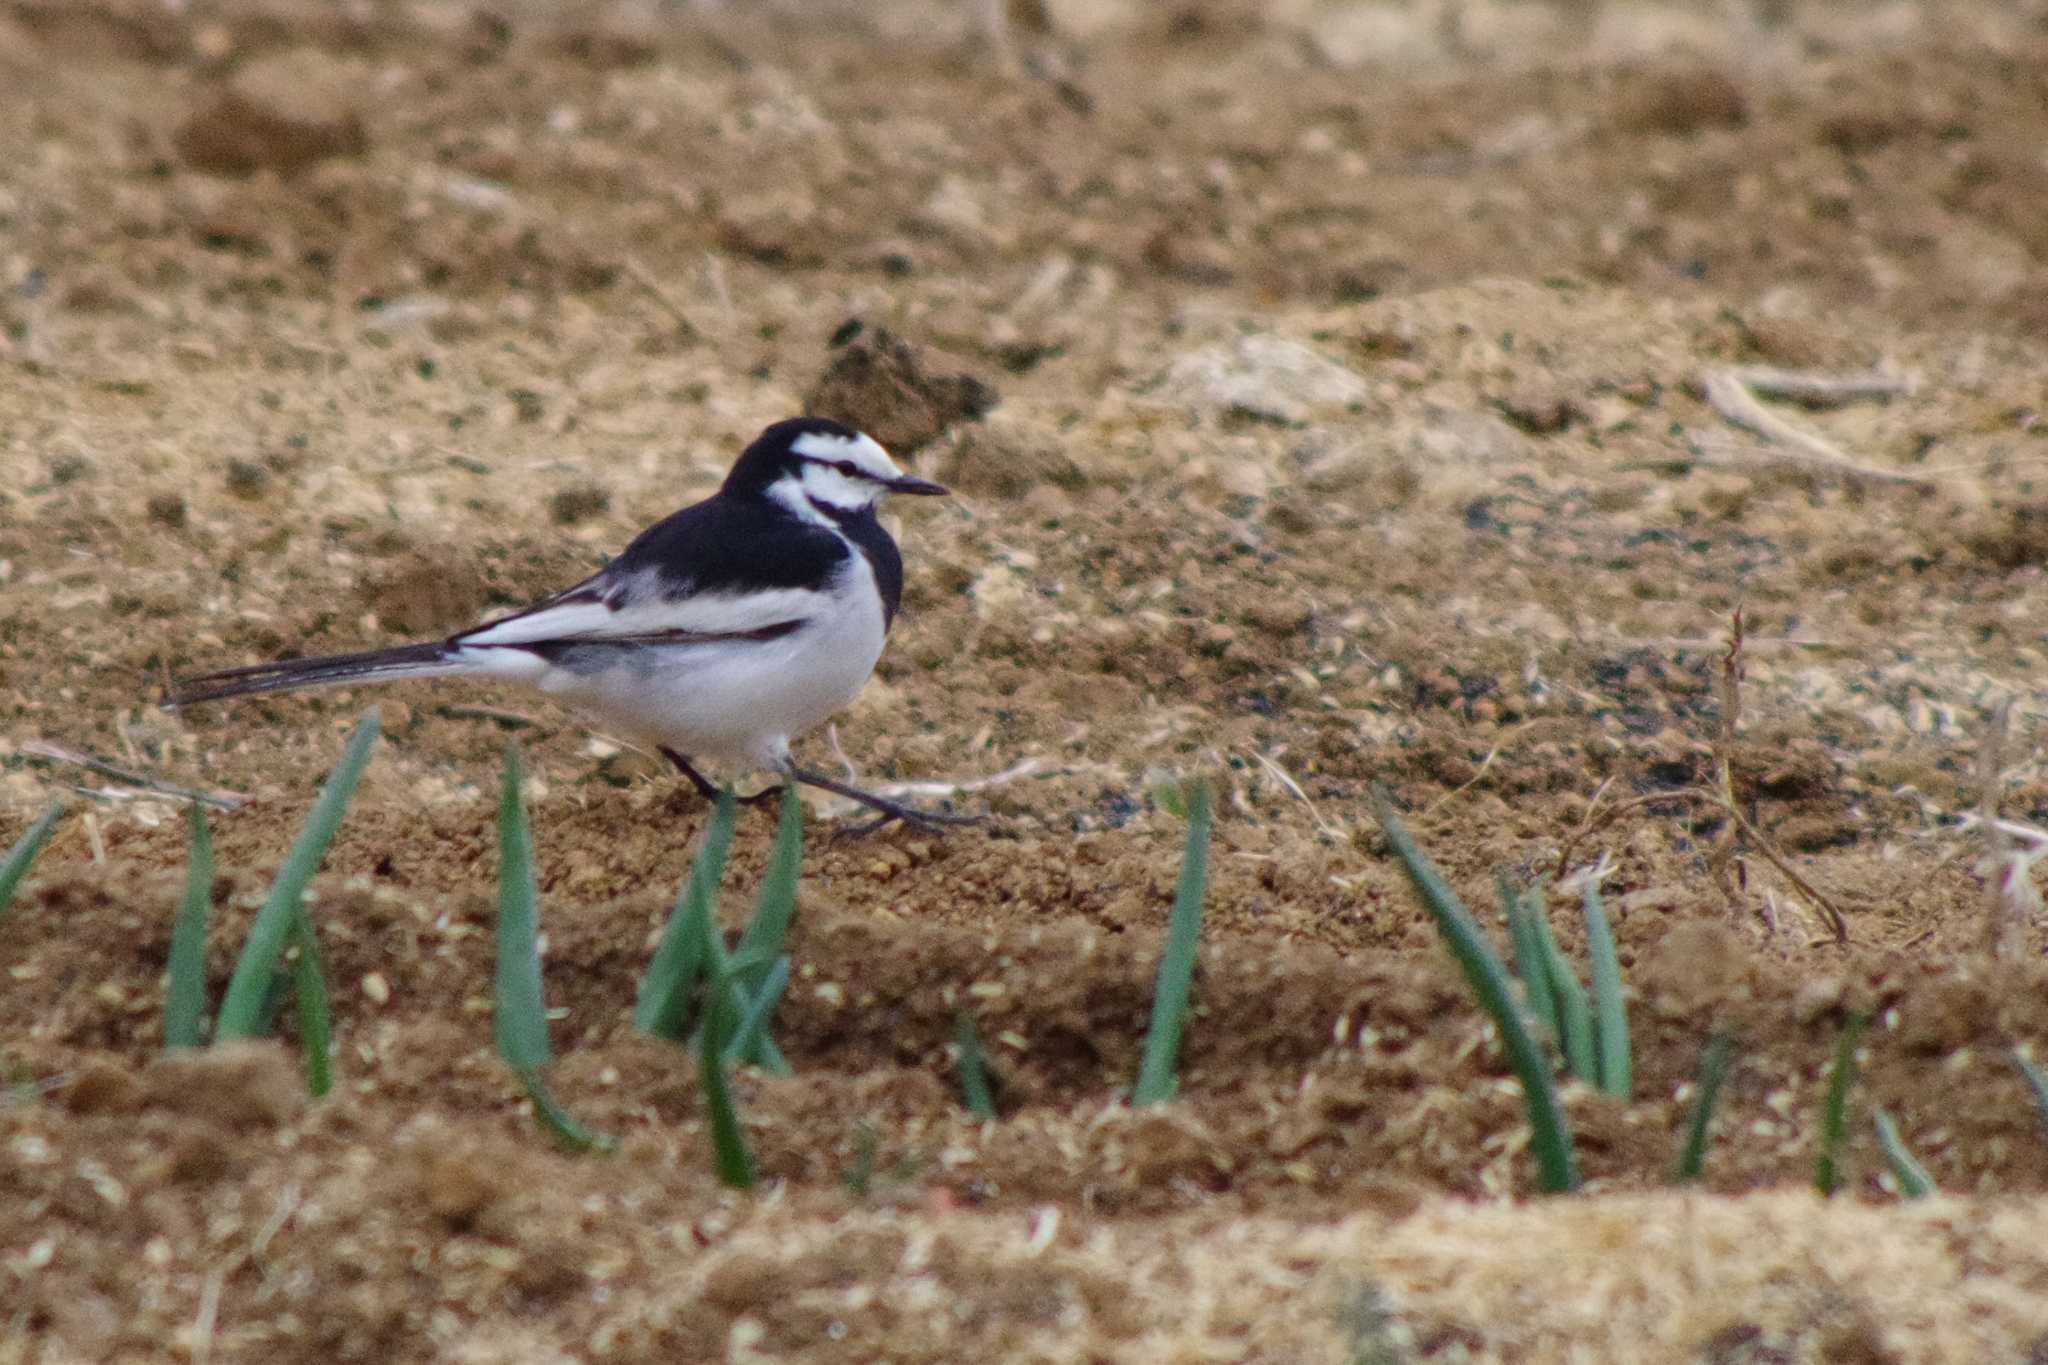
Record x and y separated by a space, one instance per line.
1818 996
1262 376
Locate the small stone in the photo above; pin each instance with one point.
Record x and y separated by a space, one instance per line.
1819 996
200 1158
247 479
571 505
459 1187
1686 102
1539 411
101 1088
167 510
1854 131
1189 258
1796 345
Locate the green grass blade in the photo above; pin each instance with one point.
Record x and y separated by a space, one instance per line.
739 1006
679 961
559 1122
24 852
734 1162
1692 1157
185 1000
1834 1114
276 995
750 964
731 1000
1574 1014
1156 1074
759 953
745 1048
723 995
859 1178
316 1014
975 1090
700 949
1532 968
775 906
1488 976
521 1023
241 1010
1610 1011
2037 1081
1914 1182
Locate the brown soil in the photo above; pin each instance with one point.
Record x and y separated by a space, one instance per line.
1348 367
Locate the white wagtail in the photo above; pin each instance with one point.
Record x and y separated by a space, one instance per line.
720 634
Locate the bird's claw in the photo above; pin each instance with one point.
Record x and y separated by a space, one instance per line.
927 821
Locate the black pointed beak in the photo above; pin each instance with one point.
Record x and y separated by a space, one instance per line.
921 487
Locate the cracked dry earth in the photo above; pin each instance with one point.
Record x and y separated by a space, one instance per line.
1326 388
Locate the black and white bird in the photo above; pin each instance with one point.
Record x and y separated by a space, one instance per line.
719 635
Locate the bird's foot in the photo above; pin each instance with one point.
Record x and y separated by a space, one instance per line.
887 812
930 821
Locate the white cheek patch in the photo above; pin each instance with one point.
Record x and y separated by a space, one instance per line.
826 485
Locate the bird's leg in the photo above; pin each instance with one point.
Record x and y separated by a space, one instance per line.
705 786
888 810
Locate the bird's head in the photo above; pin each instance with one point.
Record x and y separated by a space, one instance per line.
818 467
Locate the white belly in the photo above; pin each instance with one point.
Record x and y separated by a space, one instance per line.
735 702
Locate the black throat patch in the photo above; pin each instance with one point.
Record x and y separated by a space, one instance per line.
864 529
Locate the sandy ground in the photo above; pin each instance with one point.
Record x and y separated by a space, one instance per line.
1352 370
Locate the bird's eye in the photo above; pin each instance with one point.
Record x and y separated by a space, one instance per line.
848 468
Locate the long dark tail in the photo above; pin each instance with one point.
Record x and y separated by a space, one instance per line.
371 665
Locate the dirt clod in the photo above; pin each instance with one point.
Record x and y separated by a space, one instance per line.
235 135
250 1086
878 383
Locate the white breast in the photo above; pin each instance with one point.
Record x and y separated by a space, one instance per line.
739 702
